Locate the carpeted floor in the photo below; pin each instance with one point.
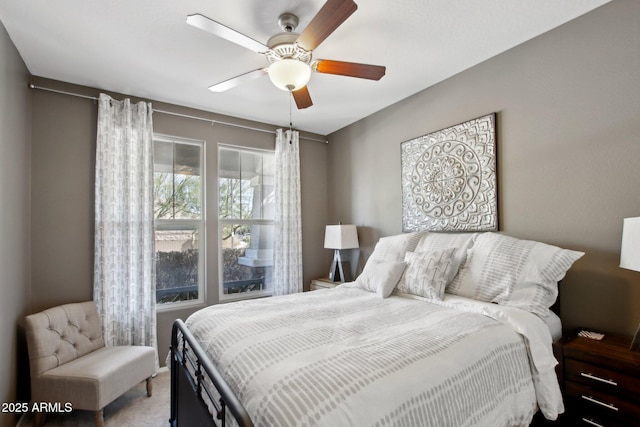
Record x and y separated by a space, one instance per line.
132 409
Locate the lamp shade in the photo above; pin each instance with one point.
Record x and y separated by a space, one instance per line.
341 237
630 250
289 74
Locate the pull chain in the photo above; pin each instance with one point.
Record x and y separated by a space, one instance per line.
290 110
290 115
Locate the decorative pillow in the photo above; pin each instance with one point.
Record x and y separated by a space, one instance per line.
380 277
438 241
427 273
393 248
513 272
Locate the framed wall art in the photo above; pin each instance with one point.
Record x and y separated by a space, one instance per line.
449 178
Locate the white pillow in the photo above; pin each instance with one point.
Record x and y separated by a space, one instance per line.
513 272
393 248
438 241
427 273
380 277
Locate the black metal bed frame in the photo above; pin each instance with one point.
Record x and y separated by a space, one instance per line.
197 388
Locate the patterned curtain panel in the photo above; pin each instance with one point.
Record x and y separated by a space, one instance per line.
287 274
124 272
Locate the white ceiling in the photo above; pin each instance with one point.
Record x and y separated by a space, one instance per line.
145 48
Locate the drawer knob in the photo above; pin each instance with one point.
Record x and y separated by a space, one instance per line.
591 422
598 402
602 380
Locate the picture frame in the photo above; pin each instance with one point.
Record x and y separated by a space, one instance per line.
449 180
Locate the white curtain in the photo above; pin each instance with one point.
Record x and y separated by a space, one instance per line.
124 270
287 275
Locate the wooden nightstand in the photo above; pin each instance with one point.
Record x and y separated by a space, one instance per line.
601 381
322 283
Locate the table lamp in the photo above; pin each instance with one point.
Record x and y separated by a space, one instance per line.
630 258
340 237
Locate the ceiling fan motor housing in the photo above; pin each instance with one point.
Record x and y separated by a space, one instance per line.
283 45
288 22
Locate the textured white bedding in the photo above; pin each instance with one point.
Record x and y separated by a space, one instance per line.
554 323
346 357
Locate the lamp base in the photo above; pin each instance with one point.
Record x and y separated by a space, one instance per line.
340 270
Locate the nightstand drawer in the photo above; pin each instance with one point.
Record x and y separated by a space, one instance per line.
600 378
602 407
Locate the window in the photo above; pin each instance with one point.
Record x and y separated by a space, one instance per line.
179 212
246 212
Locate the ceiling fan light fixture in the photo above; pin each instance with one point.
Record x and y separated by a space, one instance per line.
289 74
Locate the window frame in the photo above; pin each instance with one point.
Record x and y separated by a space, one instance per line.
182 224
222 297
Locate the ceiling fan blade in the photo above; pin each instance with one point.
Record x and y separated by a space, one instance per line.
238 80
222 31
350 69
302 98
328 18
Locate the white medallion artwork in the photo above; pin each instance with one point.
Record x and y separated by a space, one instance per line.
449 179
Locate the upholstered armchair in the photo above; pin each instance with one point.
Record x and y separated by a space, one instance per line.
70 363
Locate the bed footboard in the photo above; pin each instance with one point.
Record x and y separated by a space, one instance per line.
199 394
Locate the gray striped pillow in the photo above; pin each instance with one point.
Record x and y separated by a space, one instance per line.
438 241
427 273
513 272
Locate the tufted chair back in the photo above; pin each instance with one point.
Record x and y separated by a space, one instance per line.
61 334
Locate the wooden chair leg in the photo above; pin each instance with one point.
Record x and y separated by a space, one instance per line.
149 386
99 418
38 419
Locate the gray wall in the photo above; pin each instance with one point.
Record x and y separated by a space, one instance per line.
568 115
15 148
64 137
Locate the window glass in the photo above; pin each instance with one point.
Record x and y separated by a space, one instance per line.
178 208
246 216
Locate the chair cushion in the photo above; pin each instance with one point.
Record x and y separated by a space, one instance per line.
96 379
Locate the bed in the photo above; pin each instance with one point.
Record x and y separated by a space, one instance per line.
437 330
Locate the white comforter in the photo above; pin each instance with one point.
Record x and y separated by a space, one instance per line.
345 357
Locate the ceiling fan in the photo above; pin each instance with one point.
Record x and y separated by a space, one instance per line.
290 53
